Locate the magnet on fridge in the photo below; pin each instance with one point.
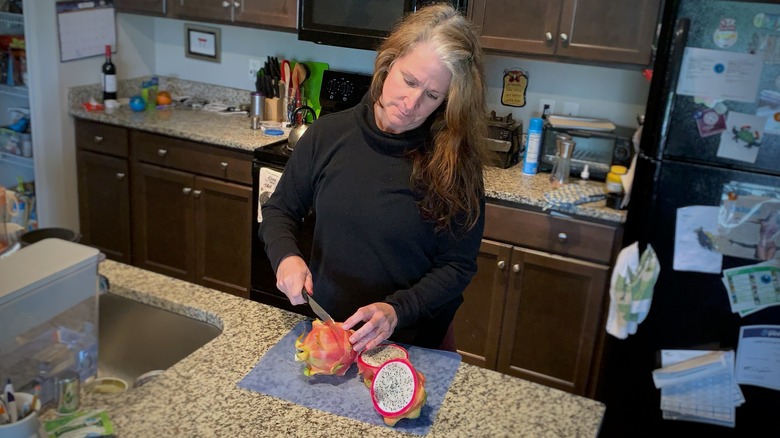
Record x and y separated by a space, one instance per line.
726 35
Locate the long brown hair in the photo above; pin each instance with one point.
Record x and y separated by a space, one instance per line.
448 170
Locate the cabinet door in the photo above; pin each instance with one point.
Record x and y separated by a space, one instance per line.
163 221
478 321
207 10
223 215
156 7
608 30
526 26
104 204
273 13
552 319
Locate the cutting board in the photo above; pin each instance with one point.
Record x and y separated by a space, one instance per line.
314 84
278 374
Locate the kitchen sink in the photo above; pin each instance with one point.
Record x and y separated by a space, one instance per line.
136 338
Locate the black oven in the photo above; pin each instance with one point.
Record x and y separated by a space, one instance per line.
359 24
339 91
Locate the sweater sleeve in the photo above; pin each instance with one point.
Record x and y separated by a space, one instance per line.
453 269
289 204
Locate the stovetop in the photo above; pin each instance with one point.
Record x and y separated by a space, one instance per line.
339 91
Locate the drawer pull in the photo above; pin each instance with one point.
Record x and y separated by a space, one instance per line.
548 36
196 193
563 237
236 5
225 4
98 139
186 191
564 38
501 265
120 176
516 268
162 152
223 165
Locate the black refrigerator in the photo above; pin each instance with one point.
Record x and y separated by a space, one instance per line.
691 146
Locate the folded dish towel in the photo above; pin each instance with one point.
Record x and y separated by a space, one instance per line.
631 290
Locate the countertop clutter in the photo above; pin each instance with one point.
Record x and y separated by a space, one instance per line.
199 395
232 131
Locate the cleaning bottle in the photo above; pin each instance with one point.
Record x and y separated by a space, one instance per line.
533 145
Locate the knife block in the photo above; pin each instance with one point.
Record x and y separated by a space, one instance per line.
274 110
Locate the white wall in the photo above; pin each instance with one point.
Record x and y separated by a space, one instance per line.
148 45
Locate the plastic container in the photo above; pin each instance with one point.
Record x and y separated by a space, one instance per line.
48 314
533 146
614 183
562 168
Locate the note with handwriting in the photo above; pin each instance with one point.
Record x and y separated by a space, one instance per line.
758 356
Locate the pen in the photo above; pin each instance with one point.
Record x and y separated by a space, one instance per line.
4 418
10 400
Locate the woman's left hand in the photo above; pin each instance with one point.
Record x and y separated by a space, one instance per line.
380 321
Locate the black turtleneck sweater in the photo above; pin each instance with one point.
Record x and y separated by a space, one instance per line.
370 242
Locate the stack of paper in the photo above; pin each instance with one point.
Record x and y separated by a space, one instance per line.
753 288
698 385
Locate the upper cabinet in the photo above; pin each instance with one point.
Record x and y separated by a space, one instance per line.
280 14
613 31
152 7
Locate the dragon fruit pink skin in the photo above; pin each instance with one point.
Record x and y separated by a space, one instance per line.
369 361
398 391
325 349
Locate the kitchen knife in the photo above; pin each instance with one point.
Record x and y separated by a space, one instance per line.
318 310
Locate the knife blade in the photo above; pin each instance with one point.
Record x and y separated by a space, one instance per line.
318 310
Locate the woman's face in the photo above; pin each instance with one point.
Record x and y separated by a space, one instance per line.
415 86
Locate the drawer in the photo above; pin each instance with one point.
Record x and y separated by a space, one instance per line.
101 138
568 237
192 157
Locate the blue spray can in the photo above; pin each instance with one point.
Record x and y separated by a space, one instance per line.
533 145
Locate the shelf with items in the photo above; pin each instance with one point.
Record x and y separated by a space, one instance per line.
20 91
16 159
11 18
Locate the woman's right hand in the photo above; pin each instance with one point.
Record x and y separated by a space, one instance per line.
293 277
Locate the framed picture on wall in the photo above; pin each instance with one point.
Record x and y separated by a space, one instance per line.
202 42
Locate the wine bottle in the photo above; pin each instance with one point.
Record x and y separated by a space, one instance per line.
108 74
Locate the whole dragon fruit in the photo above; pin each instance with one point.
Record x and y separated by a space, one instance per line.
325 349
369 361
398 391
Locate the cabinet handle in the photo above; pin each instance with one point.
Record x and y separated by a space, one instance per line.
516 268
563 237
98 139
162 152
564 37
186 191
501 265
236 5
196 193
548 36
223 165
225 4
120 176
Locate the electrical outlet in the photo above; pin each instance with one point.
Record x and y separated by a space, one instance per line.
254 66
551 106
571 109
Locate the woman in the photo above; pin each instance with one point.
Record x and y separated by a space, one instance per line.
396 185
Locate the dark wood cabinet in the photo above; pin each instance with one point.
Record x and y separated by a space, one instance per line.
172 206
104 189
152 7
192 211
535 308
613 31
281 14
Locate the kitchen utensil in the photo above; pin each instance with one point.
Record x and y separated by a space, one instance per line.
318 310
298 130
286 76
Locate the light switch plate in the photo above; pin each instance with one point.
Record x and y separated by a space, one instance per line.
254 66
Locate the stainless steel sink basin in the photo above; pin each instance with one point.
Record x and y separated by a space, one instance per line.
135 338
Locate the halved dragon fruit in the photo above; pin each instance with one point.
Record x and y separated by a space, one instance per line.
369 361
398 391
325 349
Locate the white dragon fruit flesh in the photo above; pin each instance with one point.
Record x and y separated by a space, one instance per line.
370 360
398 391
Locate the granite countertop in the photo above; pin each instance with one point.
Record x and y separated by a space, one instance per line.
199 395
507 186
